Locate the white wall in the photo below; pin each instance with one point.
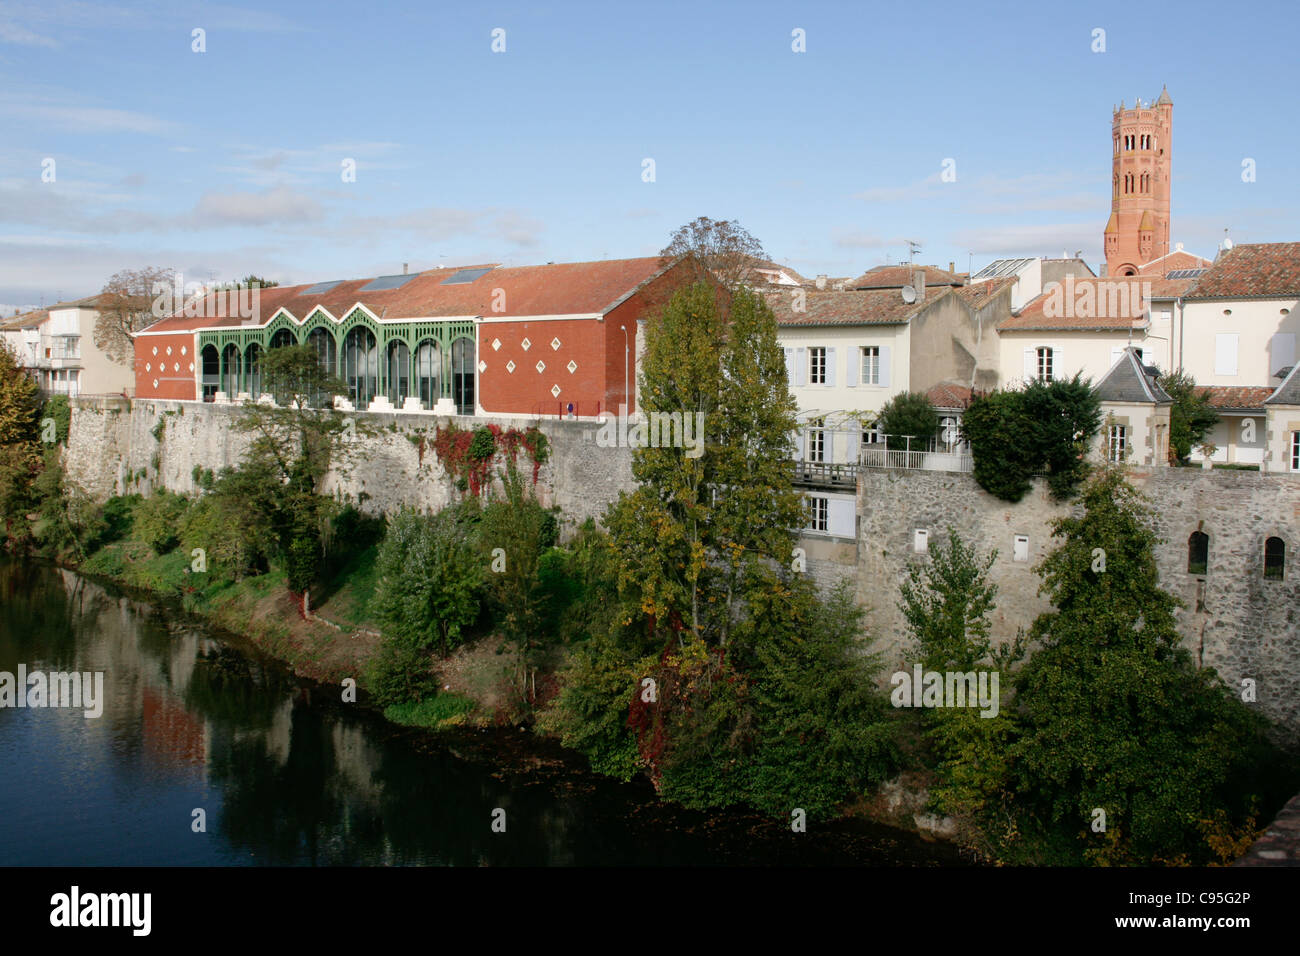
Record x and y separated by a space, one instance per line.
1242 348
1093 353
843 391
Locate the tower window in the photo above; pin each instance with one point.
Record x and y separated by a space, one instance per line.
1274 559
1198 552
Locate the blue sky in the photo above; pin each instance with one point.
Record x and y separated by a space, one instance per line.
229 161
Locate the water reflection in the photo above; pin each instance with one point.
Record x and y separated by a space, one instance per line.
287 774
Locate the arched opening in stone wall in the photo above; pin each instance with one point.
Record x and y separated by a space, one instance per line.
1275 559
230 369
1198 553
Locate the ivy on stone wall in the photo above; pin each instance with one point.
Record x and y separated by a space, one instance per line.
468 455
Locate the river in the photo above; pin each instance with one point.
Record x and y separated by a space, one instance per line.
286 774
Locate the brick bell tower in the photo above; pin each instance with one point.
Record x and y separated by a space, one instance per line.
1138 230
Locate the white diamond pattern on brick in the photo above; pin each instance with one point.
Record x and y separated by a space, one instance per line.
496 345
541 366
155 350
155 383
555 344
169 350
176 367
148 366
184 350
555 390
510 366
482 366
572 366
191 366
525 344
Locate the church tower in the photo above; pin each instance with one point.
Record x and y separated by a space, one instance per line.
1138 230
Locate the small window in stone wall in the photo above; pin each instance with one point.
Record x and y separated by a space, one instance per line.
1198 552
920 541
1274 559
1020 547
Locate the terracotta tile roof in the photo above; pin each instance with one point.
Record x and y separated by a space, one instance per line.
895 277
1237 396
981 293
25 320
1178 259
870 307
1113 307
1264 269
949 395
561 289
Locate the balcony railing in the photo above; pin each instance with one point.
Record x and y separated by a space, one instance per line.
937 457
824 475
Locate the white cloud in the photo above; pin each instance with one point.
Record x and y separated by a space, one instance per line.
279 205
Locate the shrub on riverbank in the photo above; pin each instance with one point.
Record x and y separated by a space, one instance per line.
444 710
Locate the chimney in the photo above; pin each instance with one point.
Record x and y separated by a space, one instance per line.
918 283
405 266
952 267
821 282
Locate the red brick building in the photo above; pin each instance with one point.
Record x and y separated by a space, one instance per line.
534 340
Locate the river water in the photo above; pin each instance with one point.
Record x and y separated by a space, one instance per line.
286 774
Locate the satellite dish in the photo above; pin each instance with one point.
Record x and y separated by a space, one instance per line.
909 294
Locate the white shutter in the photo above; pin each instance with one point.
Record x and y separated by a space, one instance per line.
801 367
798 444
1058 364
840 515
884 365
851 447
1031 365
1281 351
1225 353
853 367
789 367
830 367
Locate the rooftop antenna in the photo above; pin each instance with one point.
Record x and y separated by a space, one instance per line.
912 249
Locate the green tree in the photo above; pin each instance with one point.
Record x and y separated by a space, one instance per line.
1191 417
946 605
295 443
1044 427
1114 714
429 579
20 451
1064 416
908 413
823 732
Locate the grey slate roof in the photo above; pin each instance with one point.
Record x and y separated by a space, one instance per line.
1288 393
1131 382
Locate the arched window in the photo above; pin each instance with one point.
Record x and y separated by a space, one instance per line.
282 338
462 375
211 381
399 372
428 373
1198 553
230 370
253 367
326 350
361 366
1275 559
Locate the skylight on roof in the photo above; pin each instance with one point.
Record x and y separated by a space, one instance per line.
1186 273
387 282
1001 267
464 276
320 288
